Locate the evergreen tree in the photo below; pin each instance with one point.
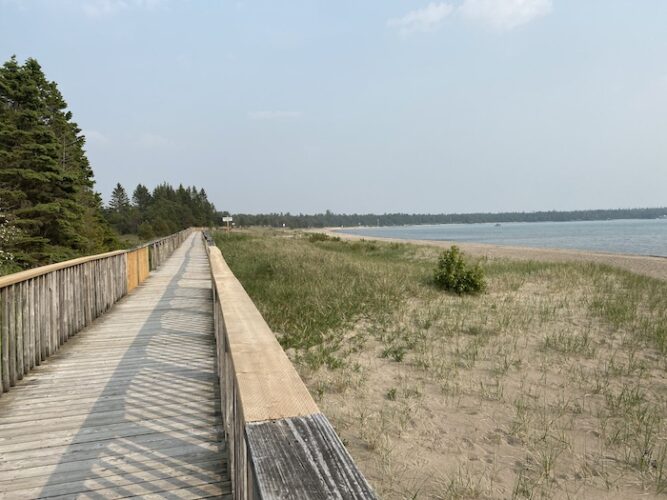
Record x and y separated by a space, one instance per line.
162 212
119 201
121 215
45 179
141 198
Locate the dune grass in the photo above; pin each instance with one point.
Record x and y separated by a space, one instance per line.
551 384
310 292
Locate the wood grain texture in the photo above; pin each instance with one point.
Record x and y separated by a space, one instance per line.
130 405
4 338
132 270
302 457
258 382
266 382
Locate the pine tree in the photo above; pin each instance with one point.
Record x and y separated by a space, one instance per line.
45 179
141 198
119 201
37 190
162 212
121 215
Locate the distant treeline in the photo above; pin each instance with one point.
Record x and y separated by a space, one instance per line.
163 211
330 219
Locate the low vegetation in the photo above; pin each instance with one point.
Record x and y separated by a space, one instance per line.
456 275
550 384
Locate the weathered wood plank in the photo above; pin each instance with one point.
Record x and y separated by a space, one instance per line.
18 328
204 491
25 314
31 322
68 451
37 325
11 327
4 341
130 470
137 408
198 487
11 279
54 300
47 401
208 471
302 457
48 338
134 449
120 430
84 468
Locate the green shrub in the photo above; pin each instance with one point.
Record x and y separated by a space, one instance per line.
146 231
455 275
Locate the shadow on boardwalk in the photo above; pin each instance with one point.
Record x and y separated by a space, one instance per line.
128 408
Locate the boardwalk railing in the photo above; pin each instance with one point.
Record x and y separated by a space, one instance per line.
280 444
41 308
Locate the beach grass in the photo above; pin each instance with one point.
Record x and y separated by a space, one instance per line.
550 384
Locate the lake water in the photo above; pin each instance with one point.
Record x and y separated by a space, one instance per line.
643 237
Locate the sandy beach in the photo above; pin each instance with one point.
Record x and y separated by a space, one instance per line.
655 267
548 385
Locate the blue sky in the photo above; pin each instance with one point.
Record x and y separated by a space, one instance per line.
365 106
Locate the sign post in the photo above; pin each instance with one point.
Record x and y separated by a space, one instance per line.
228 220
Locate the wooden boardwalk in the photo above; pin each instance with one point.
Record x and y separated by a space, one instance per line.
130 406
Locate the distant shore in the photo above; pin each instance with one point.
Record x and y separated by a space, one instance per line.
655 267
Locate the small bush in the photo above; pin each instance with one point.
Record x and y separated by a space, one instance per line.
146 231
455 275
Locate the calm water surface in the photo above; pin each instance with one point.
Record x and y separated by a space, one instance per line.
643 237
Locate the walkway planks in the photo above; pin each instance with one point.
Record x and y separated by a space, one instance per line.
129 407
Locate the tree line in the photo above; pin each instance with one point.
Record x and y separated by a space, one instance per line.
330 219
49 210
163 211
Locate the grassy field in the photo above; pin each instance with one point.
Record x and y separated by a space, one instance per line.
552 384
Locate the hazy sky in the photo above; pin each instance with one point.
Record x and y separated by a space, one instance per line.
364 106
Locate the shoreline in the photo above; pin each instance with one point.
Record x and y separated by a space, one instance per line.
652 266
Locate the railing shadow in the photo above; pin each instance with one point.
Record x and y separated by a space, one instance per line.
155 428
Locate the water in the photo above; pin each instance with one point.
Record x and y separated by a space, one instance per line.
642 237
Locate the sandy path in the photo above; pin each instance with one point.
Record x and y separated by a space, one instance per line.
655 267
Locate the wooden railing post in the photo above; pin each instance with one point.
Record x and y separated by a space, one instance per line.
4 312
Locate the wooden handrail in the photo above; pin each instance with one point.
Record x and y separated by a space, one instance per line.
41 308
280 444
14 278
